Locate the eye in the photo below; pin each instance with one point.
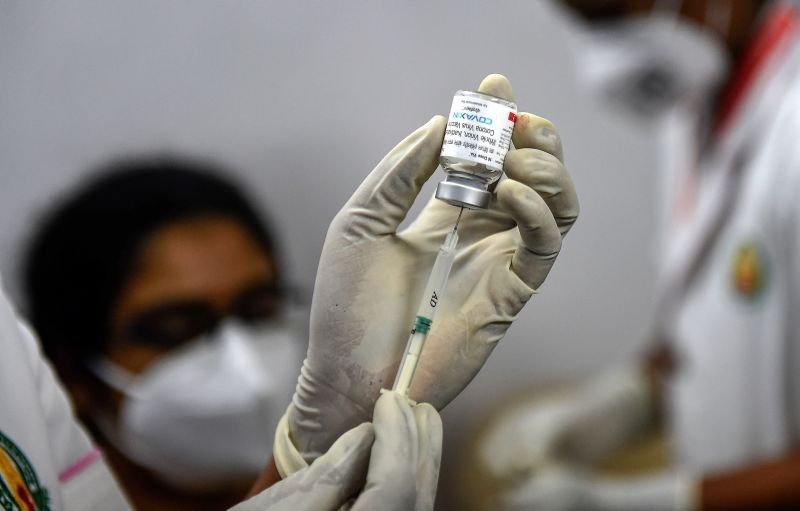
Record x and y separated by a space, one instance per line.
172 324
261 302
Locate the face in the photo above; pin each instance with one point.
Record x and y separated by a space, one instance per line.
190 274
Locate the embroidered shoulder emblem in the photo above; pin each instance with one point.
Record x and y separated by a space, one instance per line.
19 487
750 271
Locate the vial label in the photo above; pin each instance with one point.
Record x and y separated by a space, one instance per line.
479 131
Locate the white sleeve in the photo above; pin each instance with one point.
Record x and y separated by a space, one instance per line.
86 483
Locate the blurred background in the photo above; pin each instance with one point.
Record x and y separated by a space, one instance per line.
302 99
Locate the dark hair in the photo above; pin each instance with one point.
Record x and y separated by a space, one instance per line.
81 257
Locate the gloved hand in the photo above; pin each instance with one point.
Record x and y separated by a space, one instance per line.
404 464
581 426
563 489
371 277
401 467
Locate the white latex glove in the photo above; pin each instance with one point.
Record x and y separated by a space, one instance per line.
371 277
563 489
401 467
581 426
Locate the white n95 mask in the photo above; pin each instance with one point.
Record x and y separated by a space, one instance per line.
203 416
647 64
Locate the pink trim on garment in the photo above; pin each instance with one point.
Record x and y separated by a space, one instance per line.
80 465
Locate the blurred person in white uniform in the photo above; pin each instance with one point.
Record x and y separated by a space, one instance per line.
724 365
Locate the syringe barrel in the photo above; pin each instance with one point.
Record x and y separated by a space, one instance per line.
434 292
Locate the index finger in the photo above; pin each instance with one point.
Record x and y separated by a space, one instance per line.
382 201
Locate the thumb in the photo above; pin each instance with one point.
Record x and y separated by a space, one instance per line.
382 201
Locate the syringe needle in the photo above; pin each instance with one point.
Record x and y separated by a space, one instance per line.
460 212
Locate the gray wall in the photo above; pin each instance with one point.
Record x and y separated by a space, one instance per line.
303 98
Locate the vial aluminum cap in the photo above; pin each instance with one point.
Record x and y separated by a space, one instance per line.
462 195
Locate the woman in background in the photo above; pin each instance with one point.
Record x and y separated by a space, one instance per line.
157 295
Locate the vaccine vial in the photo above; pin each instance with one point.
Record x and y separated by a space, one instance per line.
476 141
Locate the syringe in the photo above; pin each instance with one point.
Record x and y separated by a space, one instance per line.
431 299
